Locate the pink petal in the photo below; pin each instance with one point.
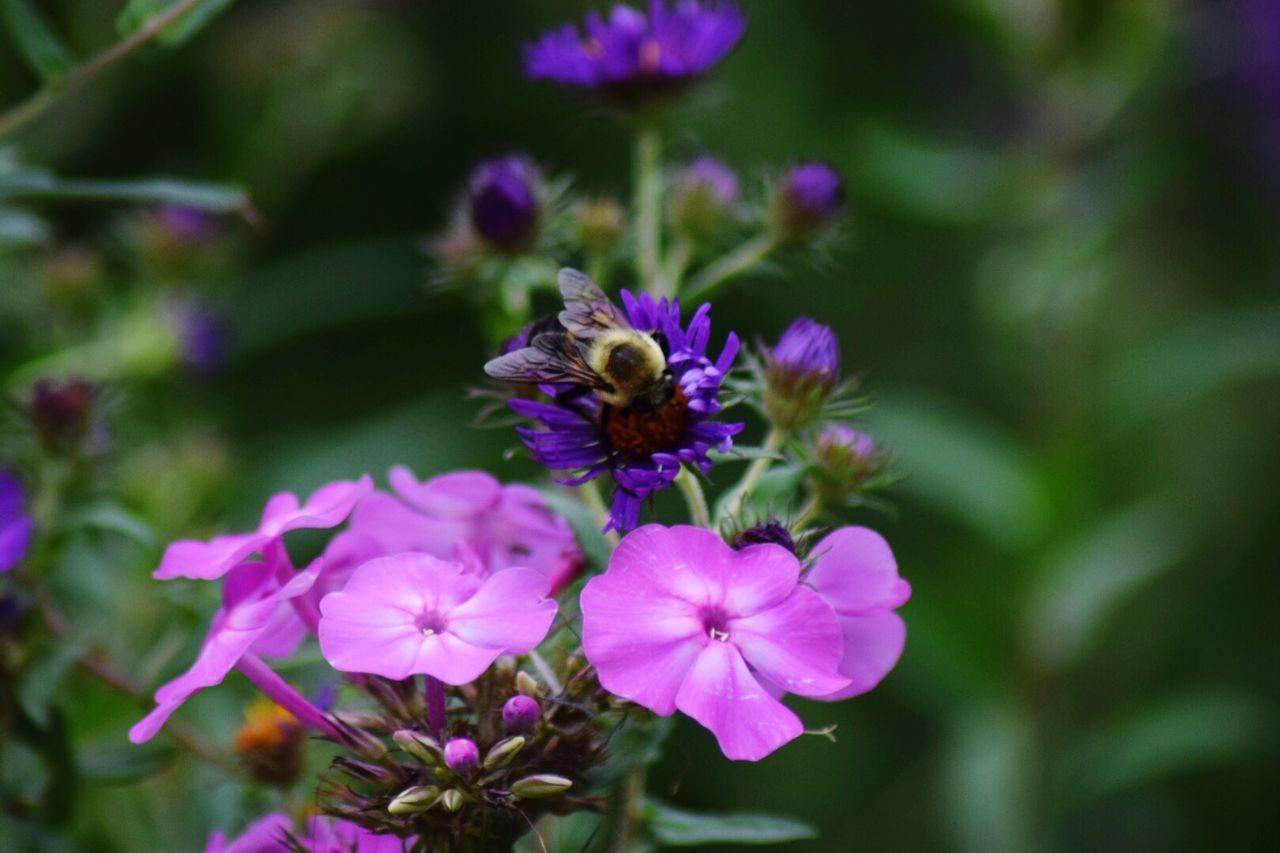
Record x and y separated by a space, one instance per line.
189 558
856 573
682 562
872 647
266 835
280 508
508 612
397 527
453 660
458 495
757 577
796 644
328 506
641 645
721 694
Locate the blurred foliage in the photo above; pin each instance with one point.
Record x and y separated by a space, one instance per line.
1059 280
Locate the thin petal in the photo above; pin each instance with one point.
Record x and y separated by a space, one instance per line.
795 644
855 571
721 694
509 612
189 558
872 647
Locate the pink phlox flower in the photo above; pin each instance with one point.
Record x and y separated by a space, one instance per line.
328 506
855 571
274 833
682 621
256 616
268 834
415 613
505 526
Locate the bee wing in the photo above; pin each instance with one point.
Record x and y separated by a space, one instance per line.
551 358
587 311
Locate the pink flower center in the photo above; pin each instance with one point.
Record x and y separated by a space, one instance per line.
715 622
431 623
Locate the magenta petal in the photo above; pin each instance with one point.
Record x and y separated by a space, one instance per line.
757 577
508 612
458 495
147 728
453 660
189 558
265 835
681 561
856 573
328 506
872 647
642 646
795 644
721 694
397 527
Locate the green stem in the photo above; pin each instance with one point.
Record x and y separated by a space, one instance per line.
648 189
591 496
677 263
733 505
631 810
693 496
733 264
808 513
91 67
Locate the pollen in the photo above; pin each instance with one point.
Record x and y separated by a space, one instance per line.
642 432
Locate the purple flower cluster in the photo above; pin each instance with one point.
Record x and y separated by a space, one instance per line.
642 449
633 57
16 526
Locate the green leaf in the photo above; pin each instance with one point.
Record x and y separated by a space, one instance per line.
113 518
1086 582
637 738
136 13
39 45
43 677
679 828
963 465
34 184
990 768
119 762
1210 727
584 524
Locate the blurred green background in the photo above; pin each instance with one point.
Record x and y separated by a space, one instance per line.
1059 284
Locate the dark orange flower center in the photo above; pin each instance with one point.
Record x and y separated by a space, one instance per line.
640 431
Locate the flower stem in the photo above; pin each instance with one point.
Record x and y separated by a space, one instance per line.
648 189
733 504
632 805
547 673
677 263
85 71
733 264
283 694
437 718
694 497
591 496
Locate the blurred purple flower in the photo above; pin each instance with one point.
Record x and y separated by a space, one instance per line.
502 202
633 57
415 614
327 507
16 526
702 195
187 224
681 620
642 449
203 334
808 197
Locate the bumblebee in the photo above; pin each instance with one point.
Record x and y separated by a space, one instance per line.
592 344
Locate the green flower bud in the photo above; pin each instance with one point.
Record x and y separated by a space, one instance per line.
503 751
451 799
420 746
419 798
541 785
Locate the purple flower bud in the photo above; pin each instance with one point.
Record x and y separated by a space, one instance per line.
202 332
187 224
462 755
808 197
800 372
16 526
502 199
703 193
847 459
520 714
766 532
60 413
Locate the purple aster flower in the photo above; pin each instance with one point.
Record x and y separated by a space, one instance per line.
327 507
808 197
60 413
641 448
413 613
633 57
800 372
16 526
681 620
855 571
502 202
703 193
256 618
469 514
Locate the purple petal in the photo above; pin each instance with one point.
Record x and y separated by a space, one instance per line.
721 693
508 612
189 558
460 494
757 577
872 647
856 573
265 835
328 506
796 644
